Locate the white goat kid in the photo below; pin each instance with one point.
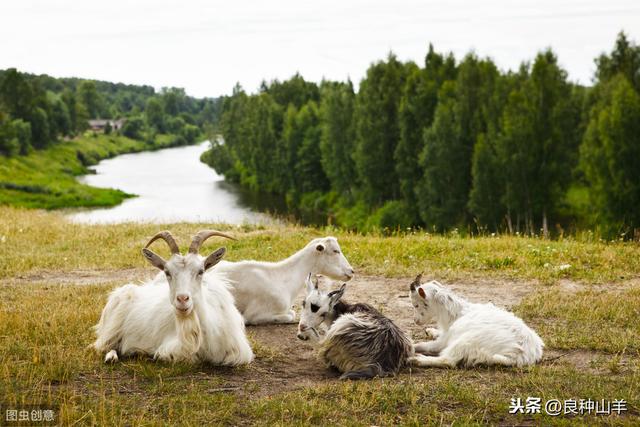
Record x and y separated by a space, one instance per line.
184 317
265 291
469 334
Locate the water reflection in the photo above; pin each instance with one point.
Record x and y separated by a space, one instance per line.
172 185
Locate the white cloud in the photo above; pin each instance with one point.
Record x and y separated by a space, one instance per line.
208 46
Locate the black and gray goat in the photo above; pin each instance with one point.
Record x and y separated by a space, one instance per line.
360 342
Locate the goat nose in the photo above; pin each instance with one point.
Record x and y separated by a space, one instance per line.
183 298
303 328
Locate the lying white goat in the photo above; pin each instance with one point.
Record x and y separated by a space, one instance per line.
469 334
184 317
264 291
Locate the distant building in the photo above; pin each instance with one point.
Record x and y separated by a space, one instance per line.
100 124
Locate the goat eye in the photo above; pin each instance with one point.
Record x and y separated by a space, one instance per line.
336 251
200 273
314 308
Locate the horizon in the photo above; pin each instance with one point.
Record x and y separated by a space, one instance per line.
163 45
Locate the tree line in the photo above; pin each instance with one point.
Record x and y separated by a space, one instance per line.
39 110
449 144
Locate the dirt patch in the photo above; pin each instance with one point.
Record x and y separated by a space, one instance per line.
285 363
391 295
569 286
595 362
86 277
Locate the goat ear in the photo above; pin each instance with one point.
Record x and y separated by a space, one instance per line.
214 258
416 282
320 247
335 296
155 259
421 293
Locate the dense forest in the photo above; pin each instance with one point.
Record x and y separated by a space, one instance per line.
447 145
36 111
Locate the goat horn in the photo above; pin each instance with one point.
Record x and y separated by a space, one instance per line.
167 237
203 235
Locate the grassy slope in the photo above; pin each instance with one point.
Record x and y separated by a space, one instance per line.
77 246
46 178
44 330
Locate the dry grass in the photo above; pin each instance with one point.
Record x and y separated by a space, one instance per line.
33 241
603 320
45 328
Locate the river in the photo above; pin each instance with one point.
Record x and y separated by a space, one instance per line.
171 185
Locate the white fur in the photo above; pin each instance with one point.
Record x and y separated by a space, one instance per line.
265 291
470 334
142 319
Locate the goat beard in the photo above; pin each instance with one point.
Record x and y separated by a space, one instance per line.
189 333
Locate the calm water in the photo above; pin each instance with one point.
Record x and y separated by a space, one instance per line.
172 185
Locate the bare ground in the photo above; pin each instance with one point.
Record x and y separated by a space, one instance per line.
285 363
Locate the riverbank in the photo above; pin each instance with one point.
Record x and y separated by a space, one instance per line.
46 178
580 295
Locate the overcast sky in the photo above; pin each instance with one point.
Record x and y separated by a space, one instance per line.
206 46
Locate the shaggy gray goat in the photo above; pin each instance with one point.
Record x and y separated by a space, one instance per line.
360 341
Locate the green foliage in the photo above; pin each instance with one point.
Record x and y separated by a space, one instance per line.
295 91
416 113
133 128
439 160
536 142
308 175
445 146
91 99
47 178
624 59
61 108
462 115
394 215
377 129
15 136
338 135
610 156
154 114
488 185
108 128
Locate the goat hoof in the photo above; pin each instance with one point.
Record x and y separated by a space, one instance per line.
111 357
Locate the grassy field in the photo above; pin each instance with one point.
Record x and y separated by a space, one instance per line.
47 178
584 300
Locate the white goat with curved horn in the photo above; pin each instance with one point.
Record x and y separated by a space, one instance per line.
187 317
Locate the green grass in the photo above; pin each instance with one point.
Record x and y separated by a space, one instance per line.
45 329
34 241
47 178
603 320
